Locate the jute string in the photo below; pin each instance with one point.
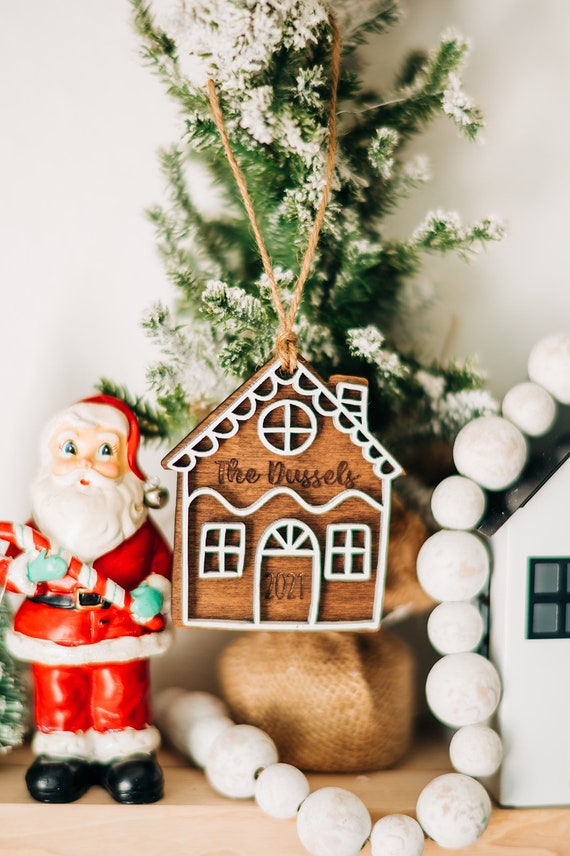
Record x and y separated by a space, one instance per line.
286 339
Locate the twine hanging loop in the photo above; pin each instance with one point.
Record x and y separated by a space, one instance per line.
286 349
286 339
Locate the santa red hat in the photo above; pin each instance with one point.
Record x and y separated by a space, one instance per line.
133 434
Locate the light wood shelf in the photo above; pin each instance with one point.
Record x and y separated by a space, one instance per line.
192 820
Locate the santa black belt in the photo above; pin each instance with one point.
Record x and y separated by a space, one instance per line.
80 600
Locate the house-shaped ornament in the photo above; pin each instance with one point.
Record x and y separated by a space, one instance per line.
529 530
283 507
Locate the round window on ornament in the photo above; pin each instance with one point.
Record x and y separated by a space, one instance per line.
287 427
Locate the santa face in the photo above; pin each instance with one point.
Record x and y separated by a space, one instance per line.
98 448
86 499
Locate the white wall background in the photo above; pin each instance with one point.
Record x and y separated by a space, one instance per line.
81 121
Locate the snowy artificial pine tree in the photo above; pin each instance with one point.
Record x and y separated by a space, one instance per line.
270 63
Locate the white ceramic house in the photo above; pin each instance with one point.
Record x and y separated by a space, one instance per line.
529 641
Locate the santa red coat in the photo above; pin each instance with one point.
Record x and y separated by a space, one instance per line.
54 636
90 664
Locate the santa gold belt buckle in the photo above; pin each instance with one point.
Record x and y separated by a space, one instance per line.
82 598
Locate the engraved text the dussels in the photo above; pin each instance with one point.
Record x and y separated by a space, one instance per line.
278 473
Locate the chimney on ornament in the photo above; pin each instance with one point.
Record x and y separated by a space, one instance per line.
352 393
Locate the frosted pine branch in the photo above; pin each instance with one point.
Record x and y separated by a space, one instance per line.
192 373
456 103
442 231
382 151
309 83
314 341
434 87
233 42
368 343
454 396
232 303
169 335
410 176
249 351
455 409
256 115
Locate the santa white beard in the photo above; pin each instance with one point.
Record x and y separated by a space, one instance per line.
87 520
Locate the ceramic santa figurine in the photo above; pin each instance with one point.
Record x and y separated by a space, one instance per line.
90 658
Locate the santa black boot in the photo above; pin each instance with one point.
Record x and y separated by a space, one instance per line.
135 780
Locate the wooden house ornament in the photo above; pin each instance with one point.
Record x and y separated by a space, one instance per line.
283 507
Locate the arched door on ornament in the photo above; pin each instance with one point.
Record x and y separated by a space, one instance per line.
287 574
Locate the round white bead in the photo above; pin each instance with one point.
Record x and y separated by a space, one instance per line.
549 365
177 710
333 822
454 810
238 754
491 451
530 407
190 706
397 835
476 750
463 689
453 565
280 789
458 503
202 734
454 627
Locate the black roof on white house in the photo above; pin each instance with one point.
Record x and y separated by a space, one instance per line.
546 455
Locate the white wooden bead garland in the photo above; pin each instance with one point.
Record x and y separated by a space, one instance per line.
242 762
463 688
